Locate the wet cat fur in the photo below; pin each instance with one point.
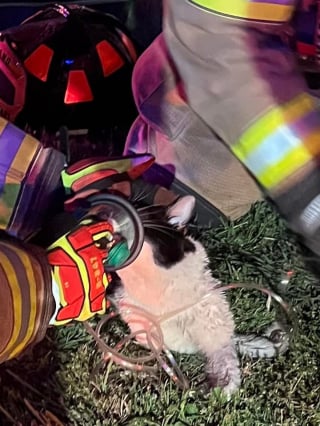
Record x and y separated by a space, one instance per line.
170 273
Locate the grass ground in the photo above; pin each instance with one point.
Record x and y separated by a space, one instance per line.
285 391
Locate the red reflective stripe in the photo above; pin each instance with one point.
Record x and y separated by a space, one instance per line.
70 283
80 238
97 304
306 49
97 228
95 271
87 162
38 63
84 181
129 45
110 59
78 88
82 242
58 257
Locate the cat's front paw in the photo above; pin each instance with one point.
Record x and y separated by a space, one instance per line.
223 370
228 381
233 385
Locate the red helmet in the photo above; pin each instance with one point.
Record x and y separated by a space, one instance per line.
12 82
78 64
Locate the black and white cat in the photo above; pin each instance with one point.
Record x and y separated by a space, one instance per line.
171 274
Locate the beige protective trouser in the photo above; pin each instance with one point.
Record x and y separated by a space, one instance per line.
180 141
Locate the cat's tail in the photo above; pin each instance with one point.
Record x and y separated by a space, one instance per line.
274 342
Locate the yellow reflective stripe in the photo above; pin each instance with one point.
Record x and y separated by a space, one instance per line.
55 272
63 303
281 142
23 158
270 122
33 303
16 296
273 175
249 10
3 124
100 235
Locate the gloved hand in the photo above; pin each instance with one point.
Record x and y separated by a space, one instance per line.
78 267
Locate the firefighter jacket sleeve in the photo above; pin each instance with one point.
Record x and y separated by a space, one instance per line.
243 81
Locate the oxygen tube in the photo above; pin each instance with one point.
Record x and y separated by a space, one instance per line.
154 337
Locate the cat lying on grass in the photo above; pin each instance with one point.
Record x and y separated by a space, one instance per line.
171 275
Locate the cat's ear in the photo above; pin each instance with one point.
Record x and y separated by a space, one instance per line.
181 211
